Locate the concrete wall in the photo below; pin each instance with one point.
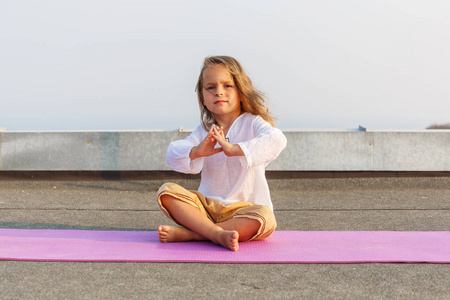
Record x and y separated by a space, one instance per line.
306 151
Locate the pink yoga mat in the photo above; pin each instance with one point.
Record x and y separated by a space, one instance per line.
281 247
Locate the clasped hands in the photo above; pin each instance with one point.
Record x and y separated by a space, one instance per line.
207 146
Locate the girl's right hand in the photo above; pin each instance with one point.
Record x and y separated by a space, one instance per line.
206 147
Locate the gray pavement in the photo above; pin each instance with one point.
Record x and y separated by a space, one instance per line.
398 204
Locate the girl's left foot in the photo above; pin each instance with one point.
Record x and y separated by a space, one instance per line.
228 239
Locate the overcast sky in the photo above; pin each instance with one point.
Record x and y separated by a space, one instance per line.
133 64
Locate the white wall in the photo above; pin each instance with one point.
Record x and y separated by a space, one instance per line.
306 151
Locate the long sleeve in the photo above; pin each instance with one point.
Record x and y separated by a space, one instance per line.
265 147
177 156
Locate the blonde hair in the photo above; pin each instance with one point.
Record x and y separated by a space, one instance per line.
252 101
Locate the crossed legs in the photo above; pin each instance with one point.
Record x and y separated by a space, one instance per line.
198 227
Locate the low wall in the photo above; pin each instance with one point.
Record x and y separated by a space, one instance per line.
427 150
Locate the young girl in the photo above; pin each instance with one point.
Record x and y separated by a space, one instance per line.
231 149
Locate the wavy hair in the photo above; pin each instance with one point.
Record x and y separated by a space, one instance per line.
252 101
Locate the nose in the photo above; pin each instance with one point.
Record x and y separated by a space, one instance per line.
219 91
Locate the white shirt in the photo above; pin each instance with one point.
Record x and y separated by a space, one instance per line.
236 178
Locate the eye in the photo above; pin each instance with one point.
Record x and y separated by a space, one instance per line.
208 87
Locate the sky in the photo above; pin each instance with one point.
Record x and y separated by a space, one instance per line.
133 64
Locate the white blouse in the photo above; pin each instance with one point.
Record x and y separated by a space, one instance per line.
237 178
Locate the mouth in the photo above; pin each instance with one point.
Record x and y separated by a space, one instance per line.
220 102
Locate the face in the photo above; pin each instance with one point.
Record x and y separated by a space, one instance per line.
220 94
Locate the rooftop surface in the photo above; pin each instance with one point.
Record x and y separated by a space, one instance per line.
335 204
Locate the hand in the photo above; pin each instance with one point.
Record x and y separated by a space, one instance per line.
228 148
206 147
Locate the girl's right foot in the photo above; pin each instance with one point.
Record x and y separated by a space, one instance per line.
169 234
225 238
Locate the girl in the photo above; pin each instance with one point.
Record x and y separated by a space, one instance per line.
231 149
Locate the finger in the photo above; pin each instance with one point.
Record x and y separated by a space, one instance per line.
213 127
218 137
210 137
216 132
221 131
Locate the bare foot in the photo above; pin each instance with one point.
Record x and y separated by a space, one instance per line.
228 239
168 234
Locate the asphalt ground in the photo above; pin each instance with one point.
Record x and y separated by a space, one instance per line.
355 204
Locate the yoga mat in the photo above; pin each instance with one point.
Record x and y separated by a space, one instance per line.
281 247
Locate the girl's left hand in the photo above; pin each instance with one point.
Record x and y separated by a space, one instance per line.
228 148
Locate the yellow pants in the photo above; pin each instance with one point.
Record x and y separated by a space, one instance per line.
217 212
